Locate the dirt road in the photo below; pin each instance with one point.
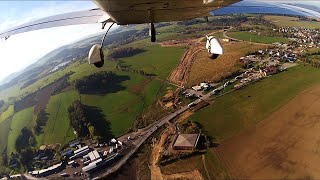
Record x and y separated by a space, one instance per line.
286 145
181 73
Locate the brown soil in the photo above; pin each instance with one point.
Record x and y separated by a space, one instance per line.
181 42
286 145
180 74
184 116
206 69
42 97
38 99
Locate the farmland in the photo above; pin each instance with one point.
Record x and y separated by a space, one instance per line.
250 105
156 60
57 129
254 37
283 21
240 111
6 114
4 132
206 69
119 109
122 107
20 120
286 143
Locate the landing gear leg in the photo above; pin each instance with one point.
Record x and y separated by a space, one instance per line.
152 33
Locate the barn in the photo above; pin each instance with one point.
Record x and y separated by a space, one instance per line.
186 142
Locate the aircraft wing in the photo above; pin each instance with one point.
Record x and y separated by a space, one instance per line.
125 12
146 11
81 17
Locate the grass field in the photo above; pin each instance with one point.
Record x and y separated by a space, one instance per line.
58 129
6 114
128 103
185 165
206 69
243 108
20 120
121 108
4 132
156 60
254 37
282 21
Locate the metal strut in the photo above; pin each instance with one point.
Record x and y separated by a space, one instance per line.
152 33
104 37
101 62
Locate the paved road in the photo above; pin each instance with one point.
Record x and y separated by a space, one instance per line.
148 133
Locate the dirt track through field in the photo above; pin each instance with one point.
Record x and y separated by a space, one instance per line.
181 73
286 145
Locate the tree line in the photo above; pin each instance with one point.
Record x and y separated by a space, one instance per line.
124 52
77 119
314 62
24 145
88 121
233 20
41 121
100 83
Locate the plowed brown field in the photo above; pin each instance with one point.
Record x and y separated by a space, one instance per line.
286 145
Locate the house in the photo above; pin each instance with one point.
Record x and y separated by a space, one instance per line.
197 88
67 153
186 142
270 70
204 85
226 40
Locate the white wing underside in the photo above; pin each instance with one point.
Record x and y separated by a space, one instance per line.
81 17
127 12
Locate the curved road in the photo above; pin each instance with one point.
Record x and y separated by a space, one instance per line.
148 133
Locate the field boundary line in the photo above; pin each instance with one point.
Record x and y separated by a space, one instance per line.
203 157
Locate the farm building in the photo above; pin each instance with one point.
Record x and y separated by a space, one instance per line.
270 70
197 88
186 141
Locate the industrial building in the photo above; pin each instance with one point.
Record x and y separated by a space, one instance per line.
80 152
45 172
98 163
186 142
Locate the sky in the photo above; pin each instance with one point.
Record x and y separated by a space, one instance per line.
21 50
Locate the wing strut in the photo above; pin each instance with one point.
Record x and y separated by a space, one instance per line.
96 55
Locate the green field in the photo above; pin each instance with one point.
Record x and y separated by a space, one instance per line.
20 120
283 21
58 129
121 108
4 132
156 60
233 112
254 37
6 114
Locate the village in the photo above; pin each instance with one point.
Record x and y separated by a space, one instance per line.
258 65
305 37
